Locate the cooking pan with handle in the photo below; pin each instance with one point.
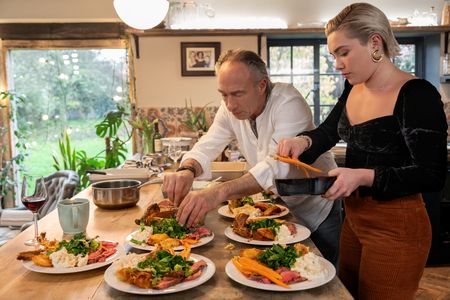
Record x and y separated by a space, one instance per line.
305 186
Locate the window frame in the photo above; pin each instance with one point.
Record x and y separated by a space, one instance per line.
316 43
6 83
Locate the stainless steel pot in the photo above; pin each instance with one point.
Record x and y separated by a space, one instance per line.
117 194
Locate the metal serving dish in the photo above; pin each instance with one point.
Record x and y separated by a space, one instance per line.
305 186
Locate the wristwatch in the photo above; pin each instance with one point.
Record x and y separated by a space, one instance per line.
189 168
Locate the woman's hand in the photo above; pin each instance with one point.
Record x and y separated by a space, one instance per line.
347 181
293 147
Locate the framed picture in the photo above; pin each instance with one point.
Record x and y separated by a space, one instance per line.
199 59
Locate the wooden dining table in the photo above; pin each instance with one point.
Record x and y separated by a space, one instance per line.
17 282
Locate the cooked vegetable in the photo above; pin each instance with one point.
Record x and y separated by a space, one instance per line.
79 245
249 265
296 163
264 223
162 263
279 256
170 227
247 200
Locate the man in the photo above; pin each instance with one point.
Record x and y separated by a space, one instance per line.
257 113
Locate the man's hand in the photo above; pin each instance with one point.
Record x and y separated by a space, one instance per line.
176 185
196 205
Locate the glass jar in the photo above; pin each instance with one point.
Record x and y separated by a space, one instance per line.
174 17
148 146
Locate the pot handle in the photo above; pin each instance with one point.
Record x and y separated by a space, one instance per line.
152 181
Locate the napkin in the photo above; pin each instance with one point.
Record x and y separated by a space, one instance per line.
15 217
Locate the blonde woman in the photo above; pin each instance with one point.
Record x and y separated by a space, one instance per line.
395 129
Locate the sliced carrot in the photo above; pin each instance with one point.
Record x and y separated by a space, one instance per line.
251 265
296 162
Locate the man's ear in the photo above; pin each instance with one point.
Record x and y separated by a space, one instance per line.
262 84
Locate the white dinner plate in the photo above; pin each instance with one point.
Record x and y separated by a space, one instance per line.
302 234
237 276
202 241
112 280
51 270
225 211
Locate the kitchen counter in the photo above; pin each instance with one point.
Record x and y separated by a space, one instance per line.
18 282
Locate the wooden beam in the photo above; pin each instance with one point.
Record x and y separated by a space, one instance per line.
57 31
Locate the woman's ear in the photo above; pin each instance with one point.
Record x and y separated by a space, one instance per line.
376 42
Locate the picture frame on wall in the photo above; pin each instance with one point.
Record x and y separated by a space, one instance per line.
199 58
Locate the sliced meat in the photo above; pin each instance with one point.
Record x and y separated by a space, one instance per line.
167 282
291 277
193 276
291 227
203 231
198 265
192 236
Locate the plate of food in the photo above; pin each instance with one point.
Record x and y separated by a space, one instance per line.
167 233
71 256
255 209
280 268
265 232
160 272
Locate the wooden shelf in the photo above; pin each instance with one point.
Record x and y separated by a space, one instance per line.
30 31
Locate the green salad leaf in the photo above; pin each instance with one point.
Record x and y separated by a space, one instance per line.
265 223
170 227
278 256
247 200
162 263
79 244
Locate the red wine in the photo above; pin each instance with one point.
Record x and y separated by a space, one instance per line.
33 203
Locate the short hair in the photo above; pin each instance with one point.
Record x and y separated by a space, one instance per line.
249 58
361 21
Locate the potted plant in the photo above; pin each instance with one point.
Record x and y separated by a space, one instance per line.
196 119
12 163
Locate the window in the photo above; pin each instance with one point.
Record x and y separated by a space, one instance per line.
65 88
308 65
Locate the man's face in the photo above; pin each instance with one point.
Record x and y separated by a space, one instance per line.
244 96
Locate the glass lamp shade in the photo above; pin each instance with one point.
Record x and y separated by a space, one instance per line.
141 14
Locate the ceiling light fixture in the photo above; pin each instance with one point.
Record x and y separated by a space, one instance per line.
141 14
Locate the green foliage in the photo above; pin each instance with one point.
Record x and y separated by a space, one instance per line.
20 135
114 153
278 256
196 120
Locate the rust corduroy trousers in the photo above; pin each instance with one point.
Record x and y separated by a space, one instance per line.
384 247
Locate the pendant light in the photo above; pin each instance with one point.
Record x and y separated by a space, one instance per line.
141 14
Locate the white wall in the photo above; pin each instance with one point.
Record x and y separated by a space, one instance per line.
158 71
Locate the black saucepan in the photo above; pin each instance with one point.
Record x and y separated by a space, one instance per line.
305 186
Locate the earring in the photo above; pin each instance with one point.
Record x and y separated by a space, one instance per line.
377 56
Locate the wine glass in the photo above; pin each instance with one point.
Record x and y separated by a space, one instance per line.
174 153
34 202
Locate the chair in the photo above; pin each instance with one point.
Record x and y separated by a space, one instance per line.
60 185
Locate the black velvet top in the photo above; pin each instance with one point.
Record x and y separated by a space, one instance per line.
407 150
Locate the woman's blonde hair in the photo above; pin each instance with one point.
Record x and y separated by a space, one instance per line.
361 21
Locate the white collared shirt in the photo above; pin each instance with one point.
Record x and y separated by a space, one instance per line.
285 115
